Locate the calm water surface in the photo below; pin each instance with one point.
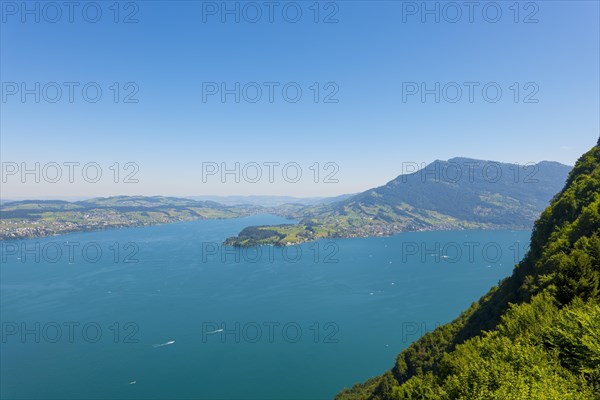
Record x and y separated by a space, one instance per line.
167 312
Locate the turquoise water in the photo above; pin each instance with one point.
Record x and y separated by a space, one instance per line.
296 325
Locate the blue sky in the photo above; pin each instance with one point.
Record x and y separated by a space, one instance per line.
369 55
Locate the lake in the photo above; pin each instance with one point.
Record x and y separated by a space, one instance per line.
167 312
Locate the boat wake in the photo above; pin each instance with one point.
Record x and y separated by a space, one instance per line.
163 344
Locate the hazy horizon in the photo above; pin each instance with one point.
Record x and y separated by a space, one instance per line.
250 187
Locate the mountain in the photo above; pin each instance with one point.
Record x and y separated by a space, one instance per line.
455 194
269 201
38 218
534 336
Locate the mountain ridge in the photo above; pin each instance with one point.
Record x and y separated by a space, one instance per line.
428 199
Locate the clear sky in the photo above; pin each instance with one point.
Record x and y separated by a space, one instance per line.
369 56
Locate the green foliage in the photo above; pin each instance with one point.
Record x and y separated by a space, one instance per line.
256 235
278 235
418 387
496 367
575 334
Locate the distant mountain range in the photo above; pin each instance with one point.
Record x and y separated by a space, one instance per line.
269 201
456 194
38 218
233 200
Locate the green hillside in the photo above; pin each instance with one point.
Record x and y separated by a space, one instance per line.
536 335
